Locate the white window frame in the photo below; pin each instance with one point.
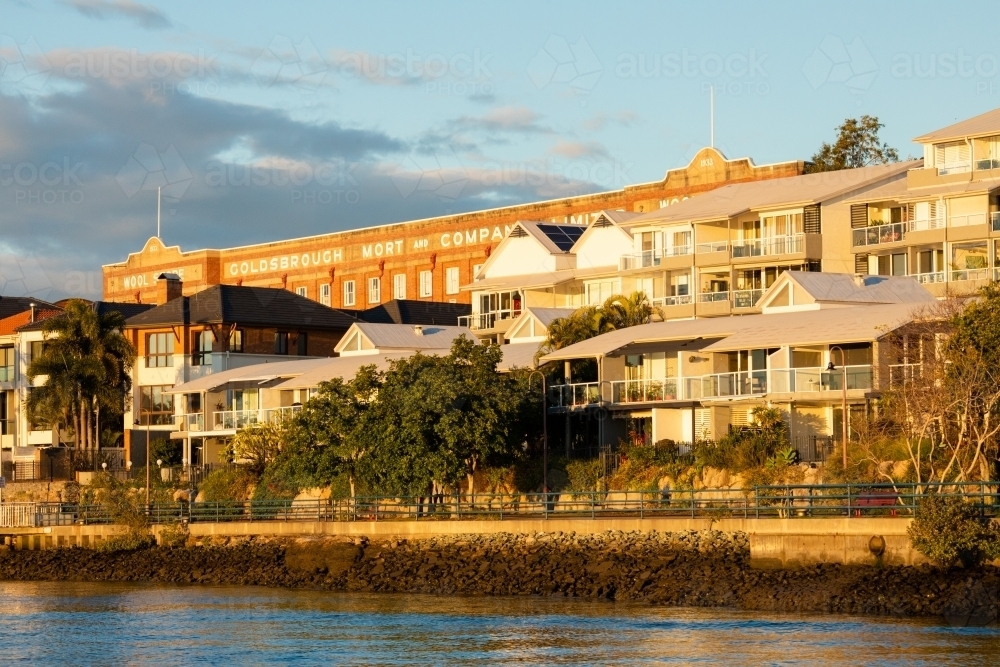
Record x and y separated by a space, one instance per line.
349 293
451 280
302 291
426 284
475 270
375 290
324 294
399 286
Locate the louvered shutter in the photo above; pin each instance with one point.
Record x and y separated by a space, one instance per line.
861 264
811 219
859 216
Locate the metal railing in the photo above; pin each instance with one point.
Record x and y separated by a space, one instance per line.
988 164
574 395
677 300
746 298
712 246
222 420
788 501
777 245
960 168
926 224
644 391
481 321
929 277
711 297
967 220
900 373
880 234
650 258
813 448
970 274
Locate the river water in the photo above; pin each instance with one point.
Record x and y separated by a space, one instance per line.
121 624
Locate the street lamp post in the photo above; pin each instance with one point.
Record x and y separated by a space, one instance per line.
545 431
843 405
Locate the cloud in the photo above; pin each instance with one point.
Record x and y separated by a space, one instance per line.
143 15
600 121
576 150
511 119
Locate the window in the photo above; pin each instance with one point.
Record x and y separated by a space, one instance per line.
156 407
348 292
202 352
599 291
952 157
35 351
324 294
236 340
475 270
159 350
451 280
399 286
281 342
301 345
426 284
374 290
302 291
7 363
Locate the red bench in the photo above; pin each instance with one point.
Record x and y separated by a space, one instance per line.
876 498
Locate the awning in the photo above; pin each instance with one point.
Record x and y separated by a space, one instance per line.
260 372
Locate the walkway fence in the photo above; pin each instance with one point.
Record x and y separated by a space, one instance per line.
833 500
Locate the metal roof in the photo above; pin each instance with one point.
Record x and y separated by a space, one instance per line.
262 372
405 337
898 190
984 123
517 355
342 367
843 288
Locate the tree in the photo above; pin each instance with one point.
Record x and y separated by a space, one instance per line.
621 312
257 445
87 363
949 530
857 145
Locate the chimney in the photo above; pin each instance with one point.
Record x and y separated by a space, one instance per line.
859 280
32 306
168 288
418 330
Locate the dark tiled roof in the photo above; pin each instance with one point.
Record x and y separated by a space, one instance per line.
102 308
405 311
12 305
250 306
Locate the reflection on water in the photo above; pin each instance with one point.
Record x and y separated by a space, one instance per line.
74 623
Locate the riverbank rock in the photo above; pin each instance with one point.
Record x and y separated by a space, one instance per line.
704 569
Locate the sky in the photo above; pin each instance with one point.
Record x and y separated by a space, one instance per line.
269 121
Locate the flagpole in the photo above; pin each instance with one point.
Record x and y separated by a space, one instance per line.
157 212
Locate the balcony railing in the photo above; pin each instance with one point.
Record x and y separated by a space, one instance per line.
710 297
677 300
961 168
926 224
880 234
970 274
930 277
235 419
482 321
967 220
988 164
6 373
780 245
746 298
900 373
712 246
650 258
574 395
644 391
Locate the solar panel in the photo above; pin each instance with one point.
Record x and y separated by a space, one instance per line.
563 236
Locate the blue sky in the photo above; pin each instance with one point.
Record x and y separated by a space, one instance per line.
270 121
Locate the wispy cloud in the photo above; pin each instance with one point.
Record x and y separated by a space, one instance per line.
600 121
576 149
143 15
511 119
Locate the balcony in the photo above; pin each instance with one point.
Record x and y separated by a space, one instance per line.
779 245
229 420
902 373
880 234
988 164
488 321
713 297
958 168
712 246
967 220
926 224
643 391
650 258
678 300
928 278
969 274
576 395
746 298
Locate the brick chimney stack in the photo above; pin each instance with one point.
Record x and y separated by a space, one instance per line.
168 288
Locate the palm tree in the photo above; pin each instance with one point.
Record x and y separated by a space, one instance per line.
621 312
87 362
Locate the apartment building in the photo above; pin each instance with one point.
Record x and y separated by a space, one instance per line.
941 223
818 342
709 256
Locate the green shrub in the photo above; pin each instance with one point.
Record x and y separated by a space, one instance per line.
949 530
174 535
747 447
231 484
584 474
